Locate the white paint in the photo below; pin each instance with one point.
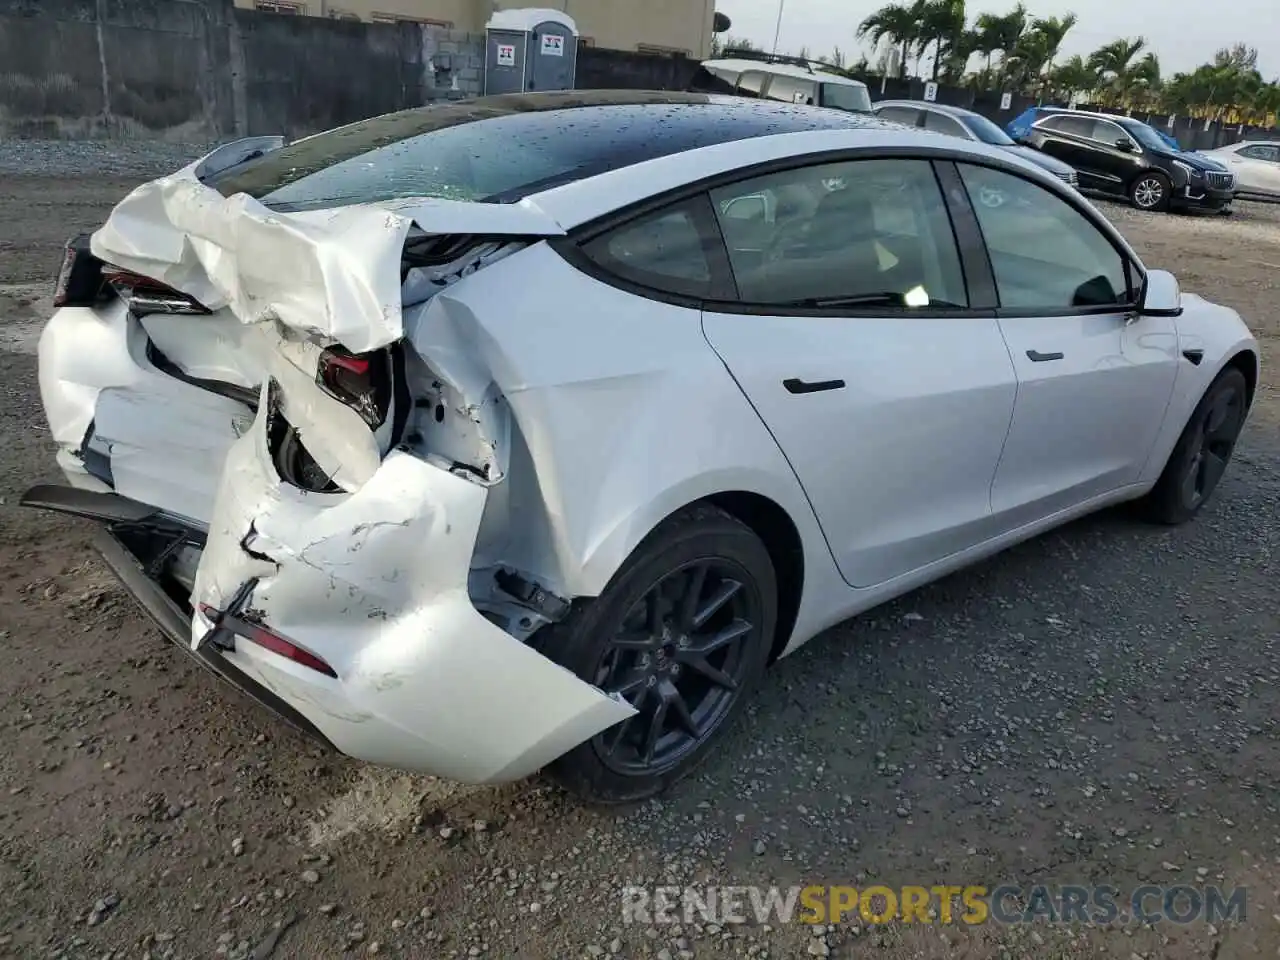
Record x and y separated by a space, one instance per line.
545 362
527 19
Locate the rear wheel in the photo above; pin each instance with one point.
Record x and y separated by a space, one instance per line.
1203 451
1150 191
682 633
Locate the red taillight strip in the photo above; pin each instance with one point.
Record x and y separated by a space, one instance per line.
357 365
269 641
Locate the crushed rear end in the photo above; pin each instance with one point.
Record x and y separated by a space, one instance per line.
293 486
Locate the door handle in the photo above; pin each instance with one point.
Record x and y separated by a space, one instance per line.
796 385
1038 357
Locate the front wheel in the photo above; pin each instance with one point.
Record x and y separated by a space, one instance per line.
1150 191
682 633
1203 451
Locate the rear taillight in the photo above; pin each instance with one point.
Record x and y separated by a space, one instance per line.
363 381
80 276
270 641
145 296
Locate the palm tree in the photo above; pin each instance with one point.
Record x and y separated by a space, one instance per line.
1114 64
1073 75
1009 30
898 23
987 37
942 25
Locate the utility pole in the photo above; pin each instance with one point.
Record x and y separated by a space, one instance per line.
778 29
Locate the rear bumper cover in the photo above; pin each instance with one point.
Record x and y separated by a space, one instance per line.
425 682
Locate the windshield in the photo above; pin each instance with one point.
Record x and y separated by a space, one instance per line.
844 96
985 130
1146 136
497 152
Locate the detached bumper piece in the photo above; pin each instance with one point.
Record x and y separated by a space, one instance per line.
136 542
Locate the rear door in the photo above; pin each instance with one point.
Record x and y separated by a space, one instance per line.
1094 379
854 341
1257 167
1069 138
898 113
939 122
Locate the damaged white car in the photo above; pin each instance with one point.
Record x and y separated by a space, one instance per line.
525 432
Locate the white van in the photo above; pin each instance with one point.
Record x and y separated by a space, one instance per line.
789 79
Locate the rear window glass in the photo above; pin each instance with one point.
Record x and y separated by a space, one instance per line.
500 149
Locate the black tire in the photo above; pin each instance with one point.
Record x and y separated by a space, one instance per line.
1201 455
1150 191
601 642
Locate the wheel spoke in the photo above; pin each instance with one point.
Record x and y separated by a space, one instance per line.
1191 483
633 640
654 733
693 594
724 593
714 674
680 708
613 738
717 641
1211 470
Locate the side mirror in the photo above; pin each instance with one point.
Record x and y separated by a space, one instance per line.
1125 144
1161 295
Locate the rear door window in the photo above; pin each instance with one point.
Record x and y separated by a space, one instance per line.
941 123
906 115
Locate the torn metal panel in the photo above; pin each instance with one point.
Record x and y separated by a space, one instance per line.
165 439
334 274
376 583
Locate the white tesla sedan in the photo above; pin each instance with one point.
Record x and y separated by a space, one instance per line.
525 432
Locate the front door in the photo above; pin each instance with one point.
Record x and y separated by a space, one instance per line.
1094 379
852 338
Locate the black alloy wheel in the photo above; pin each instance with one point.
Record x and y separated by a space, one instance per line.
1203 451
682 633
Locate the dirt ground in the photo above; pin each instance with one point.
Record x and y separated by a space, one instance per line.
1098 706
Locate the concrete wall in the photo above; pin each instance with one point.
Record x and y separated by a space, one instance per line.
668 25
94 67
196 70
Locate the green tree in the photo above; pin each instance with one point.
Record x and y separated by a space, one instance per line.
897 23
1115 63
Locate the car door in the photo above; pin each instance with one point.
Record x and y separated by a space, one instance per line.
1257 168
1094 379
853 340
907 116
1117 158
1069 138
941 123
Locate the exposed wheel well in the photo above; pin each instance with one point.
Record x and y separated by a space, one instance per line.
1247 363
773 525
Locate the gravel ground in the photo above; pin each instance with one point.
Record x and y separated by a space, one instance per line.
1097 706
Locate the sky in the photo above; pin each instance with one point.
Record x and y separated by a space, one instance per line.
1182 33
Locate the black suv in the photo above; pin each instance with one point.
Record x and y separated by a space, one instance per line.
1123 156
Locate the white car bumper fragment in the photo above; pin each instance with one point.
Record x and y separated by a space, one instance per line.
375 583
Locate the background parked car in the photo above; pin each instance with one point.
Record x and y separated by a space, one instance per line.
1125 157
1256 166
1020 126
959 122
776 77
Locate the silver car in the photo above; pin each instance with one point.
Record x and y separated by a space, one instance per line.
958 122
1256 166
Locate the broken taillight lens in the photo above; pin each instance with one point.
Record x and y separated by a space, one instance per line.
271 641
80 276
145 296
363 381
